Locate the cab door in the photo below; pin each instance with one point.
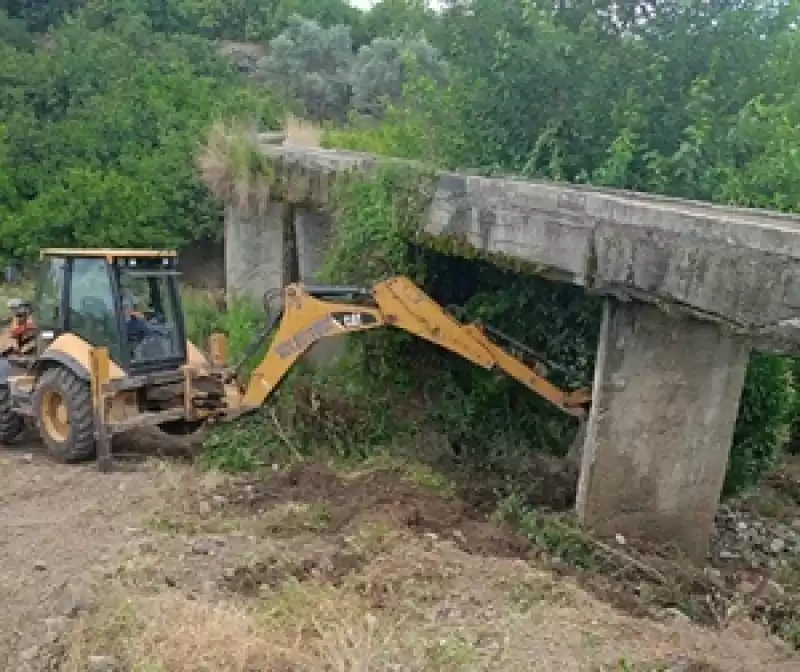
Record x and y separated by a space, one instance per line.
92 307
49 301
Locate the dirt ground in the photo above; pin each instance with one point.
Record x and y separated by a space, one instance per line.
158 567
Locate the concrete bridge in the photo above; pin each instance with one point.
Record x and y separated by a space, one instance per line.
690 289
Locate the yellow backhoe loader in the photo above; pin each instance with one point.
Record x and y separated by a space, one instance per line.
102 348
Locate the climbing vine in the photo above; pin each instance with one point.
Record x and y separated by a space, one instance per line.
494 420
490 419
392 384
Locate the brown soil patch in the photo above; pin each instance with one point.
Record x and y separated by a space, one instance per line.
380 495
314 569
642 581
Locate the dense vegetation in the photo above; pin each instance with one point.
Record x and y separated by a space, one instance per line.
103 104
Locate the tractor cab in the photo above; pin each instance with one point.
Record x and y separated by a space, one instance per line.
125 300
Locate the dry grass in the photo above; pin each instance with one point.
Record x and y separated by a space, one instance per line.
302 133
298 627
234 169
169 632
412 600
419 605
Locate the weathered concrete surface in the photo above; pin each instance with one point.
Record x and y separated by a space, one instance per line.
738 267
691 288
313 231
254 252
666 396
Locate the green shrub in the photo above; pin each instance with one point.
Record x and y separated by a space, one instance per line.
495 420
239 321
763 426
794 442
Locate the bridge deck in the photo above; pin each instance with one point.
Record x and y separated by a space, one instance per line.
736 266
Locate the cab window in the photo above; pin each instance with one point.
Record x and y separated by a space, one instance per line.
150 316
49 292
92 314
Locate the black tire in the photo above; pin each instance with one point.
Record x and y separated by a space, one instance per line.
11 424
76 442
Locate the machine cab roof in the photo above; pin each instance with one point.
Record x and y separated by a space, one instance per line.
106 253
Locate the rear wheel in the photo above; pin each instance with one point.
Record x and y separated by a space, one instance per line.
11 424
62 406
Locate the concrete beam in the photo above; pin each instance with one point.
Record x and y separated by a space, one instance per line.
666 396
737 267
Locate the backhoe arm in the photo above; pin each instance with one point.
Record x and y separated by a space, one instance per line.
309 315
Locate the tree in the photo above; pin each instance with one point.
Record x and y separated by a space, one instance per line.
381 69
100 132
311 64
399 18
39 15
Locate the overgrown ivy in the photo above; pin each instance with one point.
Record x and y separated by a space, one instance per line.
491 420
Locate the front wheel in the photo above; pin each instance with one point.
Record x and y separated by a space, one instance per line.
62 406
11 424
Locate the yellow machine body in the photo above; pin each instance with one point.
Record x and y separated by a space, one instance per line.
72 364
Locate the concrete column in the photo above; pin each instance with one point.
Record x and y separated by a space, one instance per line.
313 234
666 397
313 231
254 252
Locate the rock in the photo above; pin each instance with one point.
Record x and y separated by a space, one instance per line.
27 457
773 590
29 654
102 664
73 601
56 627
676 616
777 545
39 566
681 666
200 547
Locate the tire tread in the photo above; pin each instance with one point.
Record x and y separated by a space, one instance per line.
81 444
11 424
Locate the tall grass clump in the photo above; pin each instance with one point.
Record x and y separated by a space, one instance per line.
233 167
239 320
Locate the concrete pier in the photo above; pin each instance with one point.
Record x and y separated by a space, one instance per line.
665 399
